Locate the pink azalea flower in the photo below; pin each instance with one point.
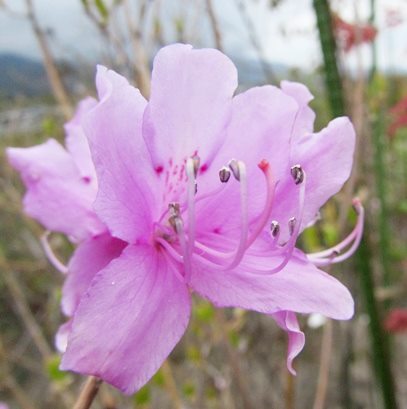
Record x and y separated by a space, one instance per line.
61 188
210 192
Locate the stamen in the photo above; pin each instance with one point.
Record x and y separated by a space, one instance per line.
244 216
265 216
191 191
291 225
294 225
235 168
196 161
275 228
297 173
52 258
224 174
331 256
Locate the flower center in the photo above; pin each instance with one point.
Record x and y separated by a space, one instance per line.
176 229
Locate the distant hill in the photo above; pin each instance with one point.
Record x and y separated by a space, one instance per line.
22 76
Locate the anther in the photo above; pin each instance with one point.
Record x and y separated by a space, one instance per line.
291 225
274 228
196 161
224 174
176 223
174 209
298 174
234 167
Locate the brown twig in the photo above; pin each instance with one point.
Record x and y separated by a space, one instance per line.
325 361
171 386
215 25
141 59
255 41
233 360
25 313
9 382
88 393
51 68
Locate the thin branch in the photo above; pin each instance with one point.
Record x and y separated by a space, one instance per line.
324 365
9 382
255 41
233 360
51 68
171 386
215 26
141 59
25 313
88 393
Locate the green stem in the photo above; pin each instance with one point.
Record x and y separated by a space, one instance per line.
378 135
372 20
380 353
328 45
380 348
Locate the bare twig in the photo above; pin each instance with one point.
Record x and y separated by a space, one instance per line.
141 59
255 41
88 393
325 360
233 360
9 382
25 313
171 386
53 74
215 25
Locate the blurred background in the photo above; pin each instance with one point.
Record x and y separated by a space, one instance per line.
352 54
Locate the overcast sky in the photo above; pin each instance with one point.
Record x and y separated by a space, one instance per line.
287 32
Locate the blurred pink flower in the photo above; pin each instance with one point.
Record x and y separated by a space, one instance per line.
396 320
193 217
398 117
352 35
61 188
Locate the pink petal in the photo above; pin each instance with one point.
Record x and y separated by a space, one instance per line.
61 337
287 321
191 93
57 196
133 315
304 121
299 287
90 257
76 142
260 128
326 158
127 198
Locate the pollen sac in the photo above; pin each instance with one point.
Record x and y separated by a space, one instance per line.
234 167
174 209
291 225
274 228
196 160
176 223
298 174
224 174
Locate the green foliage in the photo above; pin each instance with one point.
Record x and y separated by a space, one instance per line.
188 389
143 396
53 371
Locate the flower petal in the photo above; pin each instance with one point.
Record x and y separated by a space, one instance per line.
305 118
61 337
133 315
299 287
191 94
126 201
90 257
57 196
76 142
260 128
287 321
326 158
